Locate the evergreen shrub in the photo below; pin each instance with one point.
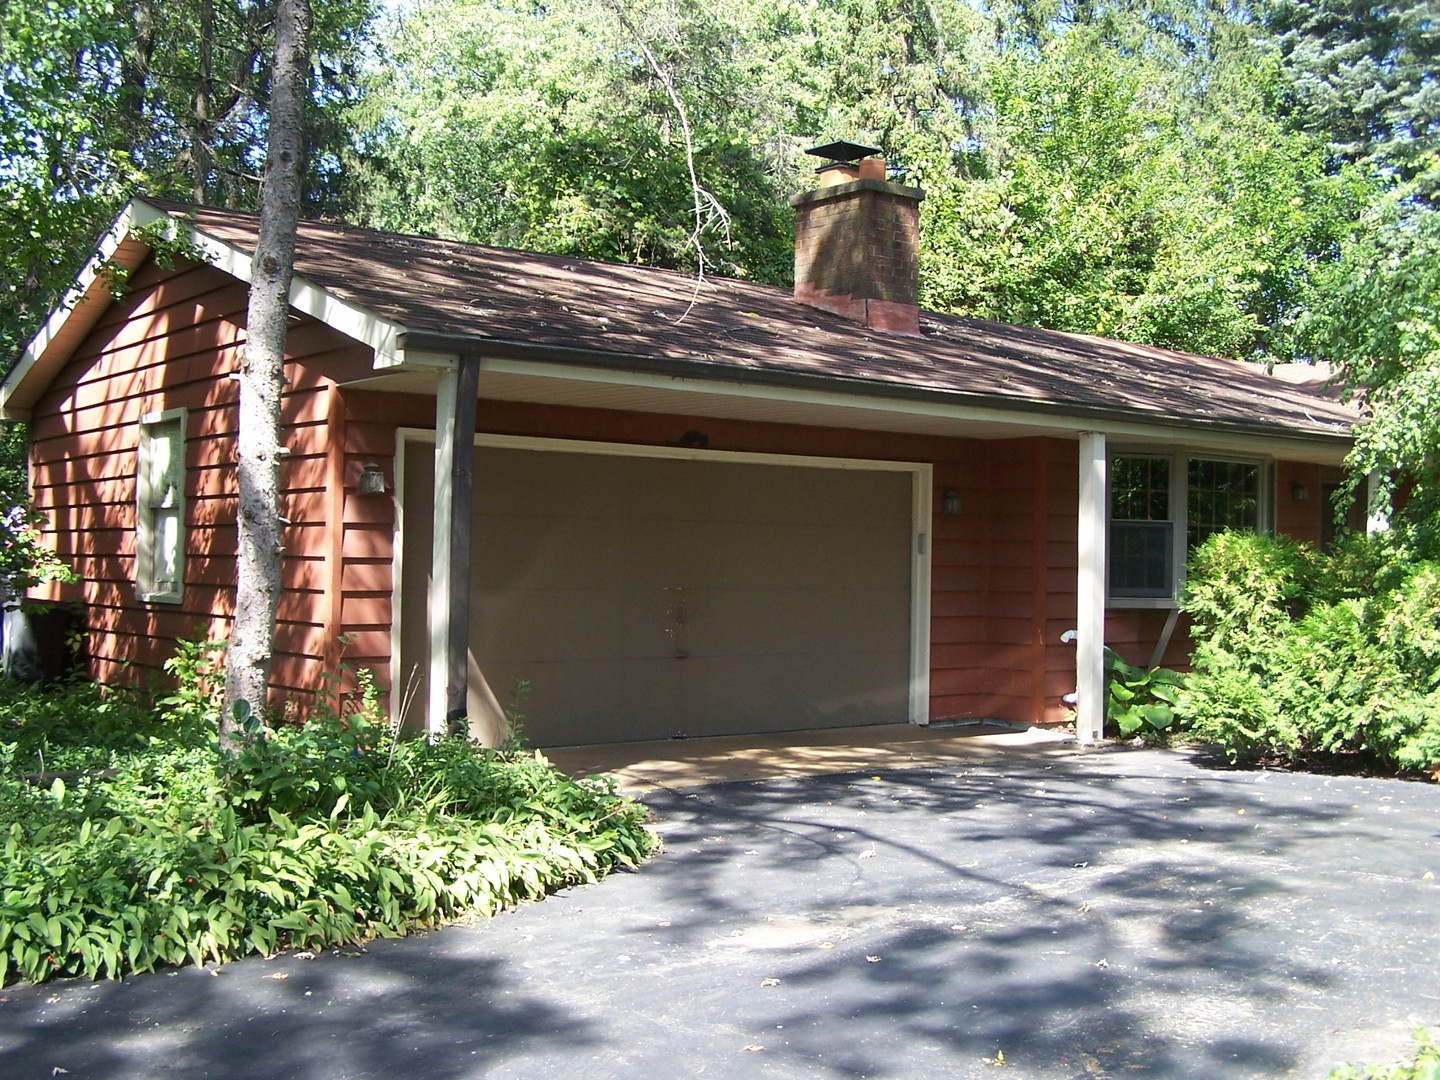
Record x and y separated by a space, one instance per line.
1299 652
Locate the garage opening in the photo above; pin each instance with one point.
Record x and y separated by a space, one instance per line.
641 596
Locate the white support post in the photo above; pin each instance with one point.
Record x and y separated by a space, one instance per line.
1377 520
441 563
450 583
1090 592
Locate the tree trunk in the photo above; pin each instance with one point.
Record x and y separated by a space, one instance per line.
262 378
200 122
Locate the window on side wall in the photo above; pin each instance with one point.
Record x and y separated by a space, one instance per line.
1161 507
160 507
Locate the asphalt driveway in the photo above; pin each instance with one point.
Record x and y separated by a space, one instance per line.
1110 913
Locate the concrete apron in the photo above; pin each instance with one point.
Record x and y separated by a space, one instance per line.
639 767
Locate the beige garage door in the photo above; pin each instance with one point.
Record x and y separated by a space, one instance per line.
649 598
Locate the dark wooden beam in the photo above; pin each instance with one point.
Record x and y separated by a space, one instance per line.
457 652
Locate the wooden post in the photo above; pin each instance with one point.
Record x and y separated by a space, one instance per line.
1090 592
450 578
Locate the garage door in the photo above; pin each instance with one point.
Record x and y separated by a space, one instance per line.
646 598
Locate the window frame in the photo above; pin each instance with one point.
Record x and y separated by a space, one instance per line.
1179 511
148 513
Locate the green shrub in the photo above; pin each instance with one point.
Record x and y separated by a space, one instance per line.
154 850
1298 653
1243 589
78 725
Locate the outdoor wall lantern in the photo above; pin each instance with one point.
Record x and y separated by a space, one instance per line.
950 503
1299 492
372 480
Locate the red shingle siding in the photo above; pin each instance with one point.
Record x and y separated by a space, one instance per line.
169 344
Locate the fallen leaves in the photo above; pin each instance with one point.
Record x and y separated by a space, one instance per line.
278 976
872 959
770 981
754 1048
998 1060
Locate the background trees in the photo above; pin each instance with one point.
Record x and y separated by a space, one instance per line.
102 99
1253 181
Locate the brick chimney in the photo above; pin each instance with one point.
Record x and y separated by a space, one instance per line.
857 244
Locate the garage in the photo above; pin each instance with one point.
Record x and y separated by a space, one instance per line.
645 593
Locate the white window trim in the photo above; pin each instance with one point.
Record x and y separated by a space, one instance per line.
1179 458
145 539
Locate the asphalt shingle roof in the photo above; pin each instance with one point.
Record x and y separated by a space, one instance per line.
500 300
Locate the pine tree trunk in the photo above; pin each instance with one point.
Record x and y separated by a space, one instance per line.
262 379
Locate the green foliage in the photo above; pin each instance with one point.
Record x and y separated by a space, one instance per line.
144 853
546 129
1298 653
1140 702
1113 194
1382 322
101 99
1363 75
24 558
1243 590
198 671
78 725
515 717
1425 1065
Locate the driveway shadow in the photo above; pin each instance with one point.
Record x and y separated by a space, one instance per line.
1106 914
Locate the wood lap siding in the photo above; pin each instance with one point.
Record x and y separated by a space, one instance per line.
171 343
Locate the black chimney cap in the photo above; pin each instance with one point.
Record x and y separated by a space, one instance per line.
844 153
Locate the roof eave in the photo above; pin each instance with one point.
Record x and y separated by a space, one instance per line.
124 246
1040 413
78 311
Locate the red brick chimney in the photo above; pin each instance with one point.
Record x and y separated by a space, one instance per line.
857 245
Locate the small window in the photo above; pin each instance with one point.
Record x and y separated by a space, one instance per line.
160 507
1149 497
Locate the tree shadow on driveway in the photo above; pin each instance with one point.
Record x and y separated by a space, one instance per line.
1105 914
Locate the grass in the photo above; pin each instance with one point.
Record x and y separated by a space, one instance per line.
129 844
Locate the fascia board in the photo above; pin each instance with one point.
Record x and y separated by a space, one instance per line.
88 298
79 310
355 322
1331 448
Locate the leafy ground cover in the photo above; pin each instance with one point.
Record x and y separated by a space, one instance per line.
125 847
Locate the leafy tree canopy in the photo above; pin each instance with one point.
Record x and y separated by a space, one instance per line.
102 99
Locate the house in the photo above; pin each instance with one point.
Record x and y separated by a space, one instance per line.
669 506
